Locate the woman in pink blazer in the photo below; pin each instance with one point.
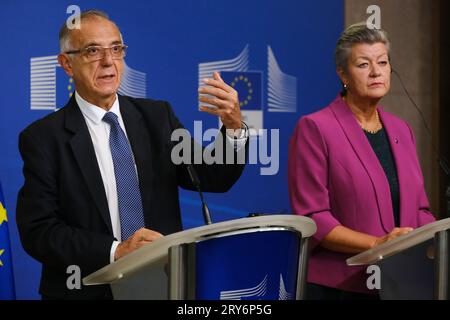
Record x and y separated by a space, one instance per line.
353 169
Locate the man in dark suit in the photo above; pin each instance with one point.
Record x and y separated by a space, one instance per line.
99 178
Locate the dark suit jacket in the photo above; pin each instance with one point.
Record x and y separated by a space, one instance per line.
62 211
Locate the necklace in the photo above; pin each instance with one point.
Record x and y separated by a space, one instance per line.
378 127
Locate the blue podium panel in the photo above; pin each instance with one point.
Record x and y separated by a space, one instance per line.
253 266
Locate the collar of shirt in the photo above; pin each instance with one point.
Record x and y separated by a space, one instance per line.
95 113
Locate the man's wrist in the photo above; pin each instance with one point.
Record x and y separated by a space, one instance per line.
240 133
114 251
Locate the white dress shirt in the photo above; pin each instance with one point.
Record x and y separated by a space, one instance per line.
99 132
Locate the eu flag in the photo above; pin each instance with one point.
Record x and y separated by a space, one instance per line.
6 272
64 87
248 84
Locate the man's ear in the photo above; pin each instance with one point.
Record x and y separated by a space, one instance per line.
64 62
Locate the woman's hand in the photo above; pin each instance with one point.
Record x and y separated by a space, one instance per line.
396 232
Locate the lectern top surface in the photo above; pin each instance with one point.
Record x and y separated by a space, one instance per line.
157 251
399 244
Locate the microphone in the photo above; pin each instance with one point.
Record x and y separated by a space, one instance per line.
196 182
443 162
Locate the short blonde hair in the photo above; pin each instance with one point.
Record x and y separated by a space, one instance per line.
354 34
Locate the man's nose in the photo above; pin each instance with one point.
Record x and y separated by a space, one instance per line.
106 57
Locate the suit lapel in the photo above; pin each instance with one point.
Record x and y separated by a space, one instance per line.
403 174
140 142
84 153
369 160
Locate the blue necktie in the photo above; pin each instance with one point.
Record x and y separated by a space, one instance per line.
127 184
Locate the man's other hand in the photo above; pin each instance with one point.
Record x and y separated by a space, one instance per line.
140 238
225 100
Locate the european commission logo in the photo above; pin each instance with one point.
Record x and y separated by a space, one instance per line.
50 86
281 88
257 292
249 86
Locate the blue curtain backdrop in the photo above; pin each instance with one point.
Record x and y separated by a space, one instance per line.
284 47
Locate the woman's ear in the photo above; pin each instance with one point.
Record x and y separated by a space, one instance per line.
64 62
340 72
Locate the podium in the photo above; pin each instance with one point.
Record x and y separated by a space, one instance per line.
263 257
414 266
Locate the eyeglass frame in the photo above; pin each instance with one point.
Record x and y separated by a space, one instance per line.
84 50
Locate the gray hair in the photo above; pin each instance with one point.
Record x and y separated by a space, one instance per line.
64 32
354 34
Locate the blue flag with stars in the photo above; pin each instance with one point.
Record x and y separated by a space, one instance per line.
64 87
7 291
248 84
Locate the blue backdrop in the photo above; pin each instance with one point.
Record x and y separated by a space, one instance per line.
284 46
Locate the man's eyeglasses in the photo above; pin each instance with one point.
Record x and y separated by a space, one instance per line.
118 51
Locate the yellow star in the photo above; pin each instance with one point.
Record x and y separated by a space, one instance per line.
3 216
1 263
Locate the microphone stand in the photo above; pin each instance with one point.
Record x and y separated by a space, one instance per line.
443 163
195 180
444 166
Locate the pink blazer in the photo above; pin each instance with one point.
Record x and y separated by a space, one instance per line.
335 178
